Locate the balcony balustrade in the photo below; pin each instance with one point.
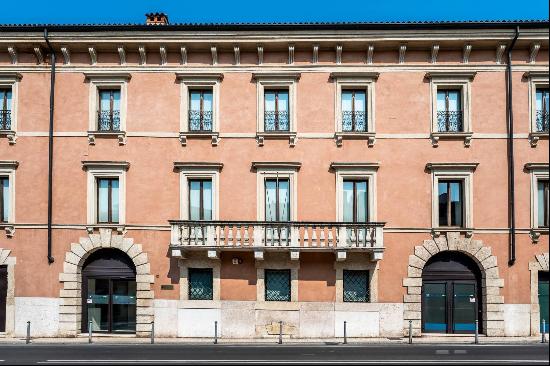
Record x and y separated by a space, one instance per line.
108 120
5 120
542 120
449 121
259 236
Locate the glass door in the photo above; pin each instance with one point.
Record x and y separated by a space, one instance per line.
464 307
124 306
97 302
434 307
543 299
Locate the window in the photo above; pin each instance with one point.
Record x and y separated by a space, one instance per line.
542 107
201 284
355 201
200 110
354 116
542 203
356 286
276 110
277 199
107 200
449 111
108 115
277 285
5 108
4 199
200 199
451 206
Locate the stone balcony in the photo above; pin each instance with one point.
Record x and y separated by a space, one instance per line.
292 237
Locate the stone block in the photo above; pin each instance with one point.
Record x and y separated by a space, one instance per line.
414 290
96 240
134 250
491 273
495 307
517 318
77 249
496 282
145 295
441 243
66 277
358 323
489 262
391 320
86 244
145 278
412 281
412 298
421 252
414 272
140 259
70 301
143 269
412 314
431 247
416 262
117 241
144 302
105 237
70 257
143 286
71 285
494 315
127 243
198 322
494 299
70 293
70 267
483 253
492 290
412 307
316 324
238 321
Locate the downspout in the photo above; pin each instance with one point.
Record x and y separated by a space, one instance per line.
511 175
50 145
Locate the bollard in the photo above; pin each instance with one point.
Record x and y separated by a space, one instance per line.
215 332
28 340
345 333
543 331
90 331
476 341
410 331
280 332
152 332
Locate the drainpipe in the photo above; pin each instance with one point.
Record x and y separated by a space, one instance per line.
511 175
50 145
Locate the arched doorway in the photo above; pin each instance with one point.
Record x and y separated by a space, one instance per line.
109 292
451 294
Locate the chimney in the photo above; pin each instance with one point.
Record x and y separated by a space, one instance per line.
156 19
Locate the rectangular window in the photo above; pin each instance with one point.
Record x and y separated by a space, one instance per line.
107 200
355 201
277 199
276 110
277 285
108 115
200 199
451 203
542 203
4 199
200 110
354 110
542 108
5 109
356 286
449 110
201 284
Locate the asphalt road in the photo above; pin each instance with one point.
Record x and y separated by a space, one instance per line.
94 354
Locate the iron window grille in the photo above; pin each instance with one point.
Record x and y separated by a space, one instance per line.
201 284
448 119
542 112
112 213
356 286
200 119
4 187
355 119
451 203
278 118
5 112
108 119
277 285
543 192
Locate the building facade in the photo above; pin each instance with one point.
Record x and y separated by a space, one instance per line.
247 176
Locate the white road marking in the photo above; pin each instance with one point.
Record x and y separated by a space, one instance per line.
460 351
442 352
280 362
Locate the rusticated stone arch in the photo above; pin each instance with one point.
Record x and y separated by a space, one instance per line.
7 260
539 264
70 309
492 301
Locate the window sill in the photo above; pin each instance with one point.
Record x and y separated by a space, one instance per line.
213 136
340 136
534 137
439 231
9 228
10 135
436 136
536 232
120 135
276 135
119 228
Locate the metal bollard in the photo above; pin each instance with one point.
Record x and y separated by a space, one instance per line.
476 341
280 332
543 331
152 332
90 331
28 340
215 332
345 333
410 331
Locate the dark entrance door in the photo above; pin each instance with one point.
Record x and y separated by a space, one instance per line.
451 294
543 300
109 292
3 295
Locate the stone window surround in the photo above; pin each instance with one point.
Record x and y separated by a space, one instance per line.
190 81
196 260
355 80
7 169
273 170
198 170
536 79
356 262
276 81
537 171
356 171
452 80
456 171
10 262
276 261
539 264
98 81
105 169
11 80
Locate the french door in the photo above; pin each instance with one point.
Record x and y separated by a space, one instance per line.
3 296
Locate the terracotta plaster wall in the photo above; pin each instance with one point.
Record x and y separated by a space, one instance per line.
238 281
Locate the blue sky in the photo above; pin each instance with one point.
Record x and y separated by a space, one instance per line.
132 11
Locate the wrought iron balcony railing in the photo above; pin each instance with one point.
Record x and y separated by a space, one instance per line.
276 121
259 235
200 120
5 120
354 121
449 121
542 120
108 120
